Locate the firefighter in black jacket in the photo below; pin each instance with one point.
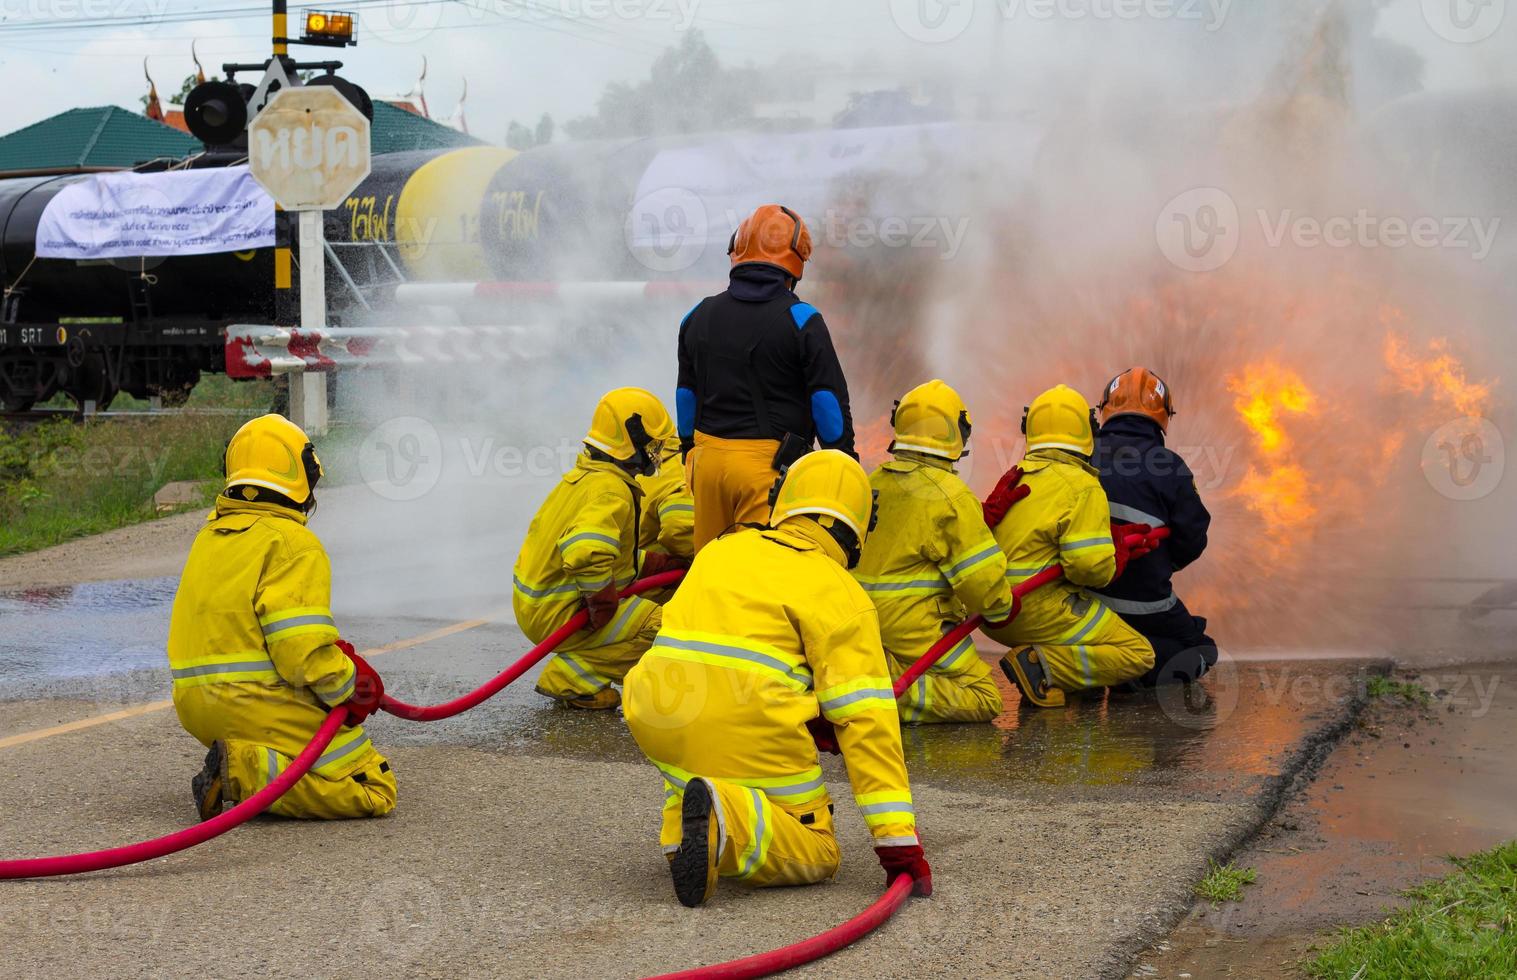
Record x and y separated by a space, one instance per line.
759 381
1147 483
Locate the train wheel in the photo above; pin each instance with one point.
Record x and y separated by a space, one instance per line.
91 382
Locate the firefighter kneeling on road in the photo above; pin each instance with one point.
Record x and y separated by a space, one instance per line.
582 549
768 645
933 561
1064 639
255 654
1150 485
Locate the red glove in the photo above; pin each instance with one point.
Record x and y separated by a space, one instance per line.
906 859
368 689
657 562
824 735
1126 553
1007 492
602 606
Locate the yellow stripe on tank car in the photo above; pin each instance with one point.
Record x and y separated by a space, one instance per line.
437 216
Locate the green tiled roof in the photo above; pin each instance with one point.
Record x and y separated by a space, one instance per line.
103 136
109 136
396 130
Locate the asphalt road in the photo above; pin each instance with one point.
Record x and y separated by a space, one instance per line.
525 842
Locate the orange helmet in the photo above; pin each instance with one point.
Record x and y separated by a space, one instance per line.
1138 391
772 235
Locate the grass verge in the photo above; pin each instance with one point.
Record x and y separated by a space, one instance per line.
1224 882
1461 926
1380 686
61 479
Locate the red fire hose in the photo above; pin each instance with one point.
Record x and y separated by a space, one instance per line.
70 864
448 709
73 864
808 950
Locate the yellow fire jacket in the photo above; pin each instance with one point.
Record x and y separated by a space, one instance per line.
250 637
583 538
1065 520
668 518
931 560
767 631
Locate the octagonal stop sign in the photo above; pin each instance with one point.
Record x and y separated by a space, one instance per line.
309 148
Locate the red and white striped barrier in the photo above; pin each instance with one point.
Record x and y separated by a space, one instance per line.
260 350
460 294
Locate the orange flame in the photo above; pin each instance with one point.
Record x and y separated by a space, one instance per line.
1439 375
1277 489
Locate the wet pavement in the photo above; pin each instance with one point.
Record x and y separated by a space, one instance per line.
525 842
1408 787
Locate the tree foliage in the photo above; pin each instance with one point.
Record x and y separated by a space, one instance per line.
688 91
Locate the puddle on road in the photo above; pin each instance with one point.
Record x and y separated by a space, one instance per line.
94 630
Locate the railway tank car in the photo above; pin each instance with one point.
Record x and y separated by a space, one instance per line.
643 209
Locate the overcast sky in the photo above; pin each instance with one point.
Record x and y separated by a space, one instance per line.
525 57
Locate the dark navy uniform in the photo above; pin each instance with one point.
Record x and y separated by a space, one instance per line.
1147 483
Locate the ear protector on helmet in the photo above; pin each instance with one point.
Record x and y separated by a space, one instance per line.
642 461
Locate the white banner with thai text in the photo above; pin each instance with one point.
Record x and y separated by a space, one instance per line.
180 212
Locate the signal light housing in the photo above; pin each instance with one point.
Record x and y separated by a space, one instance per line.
329 28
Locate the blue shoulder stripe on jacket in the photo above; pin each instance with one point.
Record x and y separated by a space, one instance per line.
802 313
692 310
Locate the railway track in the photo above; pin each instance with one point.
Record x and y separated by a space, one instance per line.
38 415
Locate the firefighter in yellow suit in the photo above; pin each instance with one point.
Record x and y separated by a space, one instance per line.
668 517
1064 640
933 562
582 548
768 640
254 652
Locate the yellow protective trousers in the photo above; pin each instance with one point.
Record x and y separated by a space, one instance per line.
592 661
369 792
1083 643
730 480
763 843
959 687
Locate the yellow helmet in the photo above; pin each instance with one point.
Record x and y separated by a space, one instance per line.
631 426
830 486
931 419
1060 418
271 453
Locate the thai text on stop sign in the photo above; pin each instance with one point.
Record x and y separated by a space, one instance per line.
317 147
